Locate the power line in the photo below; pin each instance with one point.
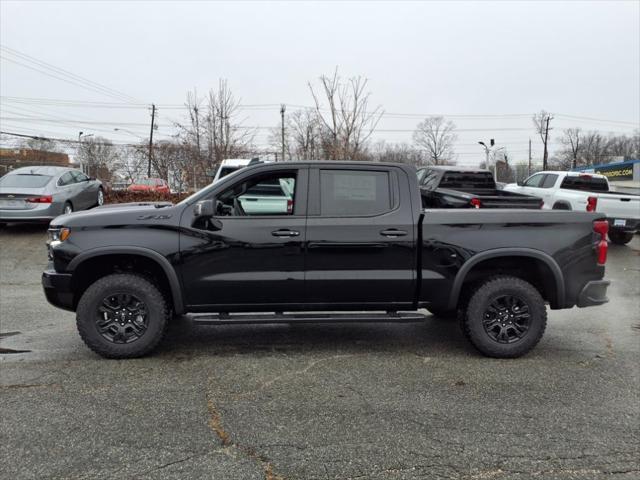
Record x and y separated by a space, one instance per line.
60 72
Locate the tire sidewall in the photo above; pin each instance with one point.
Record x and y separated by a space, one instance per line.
484 296
87 315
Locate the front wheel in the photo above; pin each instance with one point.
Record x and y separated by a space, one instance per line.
620 238
505 318
122 316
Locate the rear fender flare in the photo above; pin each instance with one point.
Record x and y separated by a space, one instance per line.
508 252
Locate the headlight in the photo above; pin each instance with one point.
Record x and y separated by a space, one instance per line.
58 234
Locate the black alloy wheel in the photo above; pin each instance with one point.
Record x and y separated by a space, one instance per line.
506 319
122 318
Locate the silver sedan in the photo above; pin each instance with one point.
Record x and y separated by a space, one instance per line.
39 194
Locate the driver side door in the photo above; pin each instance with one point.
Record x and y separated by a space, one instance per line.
251 255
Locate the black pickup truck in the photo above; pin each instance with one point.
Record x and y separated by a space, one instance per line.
351 237
459 187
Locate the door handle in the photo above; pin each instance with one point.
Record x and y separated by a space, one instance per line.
393 233
285 233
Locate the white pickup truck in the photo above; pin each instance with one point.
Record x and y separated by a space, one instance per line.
585 192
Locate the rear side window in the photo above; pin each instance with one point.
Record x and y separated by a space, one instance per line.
24 181
585 183
549 181
354 192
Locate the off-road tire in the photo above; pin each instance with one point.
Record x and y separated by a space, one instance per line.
87 315
620 238
472 319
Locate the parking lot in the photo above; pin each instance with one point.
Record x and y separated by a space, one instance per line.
361 401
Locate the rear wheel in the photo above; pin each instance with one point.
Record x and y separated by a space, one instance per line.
505 318
100 197
620 238
67 209
122 316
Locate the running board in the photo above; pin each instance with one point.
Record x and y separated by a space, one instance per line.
222 319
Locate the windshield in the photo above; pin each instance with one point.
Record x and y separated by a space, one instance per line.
21 180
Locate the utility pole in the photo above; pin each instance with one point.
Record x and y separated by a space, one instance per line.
197 159
546 138
529 167
282 110
153 118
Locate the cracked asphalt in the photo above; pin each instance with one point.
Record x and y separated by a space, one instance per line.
374 401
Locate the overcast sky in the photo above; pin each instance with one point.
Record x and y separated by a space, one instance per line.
467 60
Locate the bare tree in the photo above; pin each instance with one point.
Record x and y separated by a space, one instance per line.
571 140
541 122
342 108
99 156
595 146
436 136
132 161
397 153
41 144
212 131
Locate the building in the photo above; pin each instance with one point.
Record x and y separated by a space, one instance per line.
12 158
622 176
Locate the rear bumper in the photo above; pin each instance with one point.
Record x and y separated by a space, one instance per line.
631 225
593 293
57 289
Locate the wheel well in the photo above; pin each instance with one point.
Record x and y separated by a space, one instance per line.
561 206
95 268
529 269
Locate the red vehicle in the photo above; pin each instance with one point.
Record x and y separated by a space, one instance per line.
150 185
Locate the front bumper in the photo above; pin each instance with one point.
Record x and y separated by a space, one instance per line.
57 289
593 293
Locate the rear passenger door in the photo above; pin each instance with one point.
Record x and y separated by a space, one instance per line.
360 238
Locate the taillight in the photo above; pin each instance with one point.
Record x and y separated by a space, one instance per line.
289 206
601 227
43 199
475 203
592 203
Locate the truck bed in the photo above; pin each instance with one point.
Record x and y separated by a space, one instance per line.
488 198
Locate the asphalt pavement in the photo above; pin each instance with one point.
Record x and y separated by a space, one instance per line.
365 401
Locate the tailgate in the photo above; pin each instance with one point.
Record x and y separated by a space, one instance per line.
619 206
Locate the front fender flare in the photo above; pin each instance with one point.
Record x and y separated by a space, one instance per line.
170 272
508 252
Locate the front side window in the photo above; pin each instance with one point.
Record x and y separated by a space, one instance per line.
269 194
354 192
534 180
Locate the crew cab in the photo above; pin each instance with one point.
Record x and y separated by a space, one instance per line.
585 192
355 242
459 187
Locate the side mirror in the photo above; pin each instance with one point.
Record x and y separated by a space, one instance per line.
204 209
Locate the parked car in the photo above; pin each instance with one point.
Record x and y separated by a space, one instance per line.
585 192
150 185
458 187
39 194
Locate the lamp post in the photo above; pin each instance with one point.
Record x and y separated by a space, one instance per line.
490 153
80 135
